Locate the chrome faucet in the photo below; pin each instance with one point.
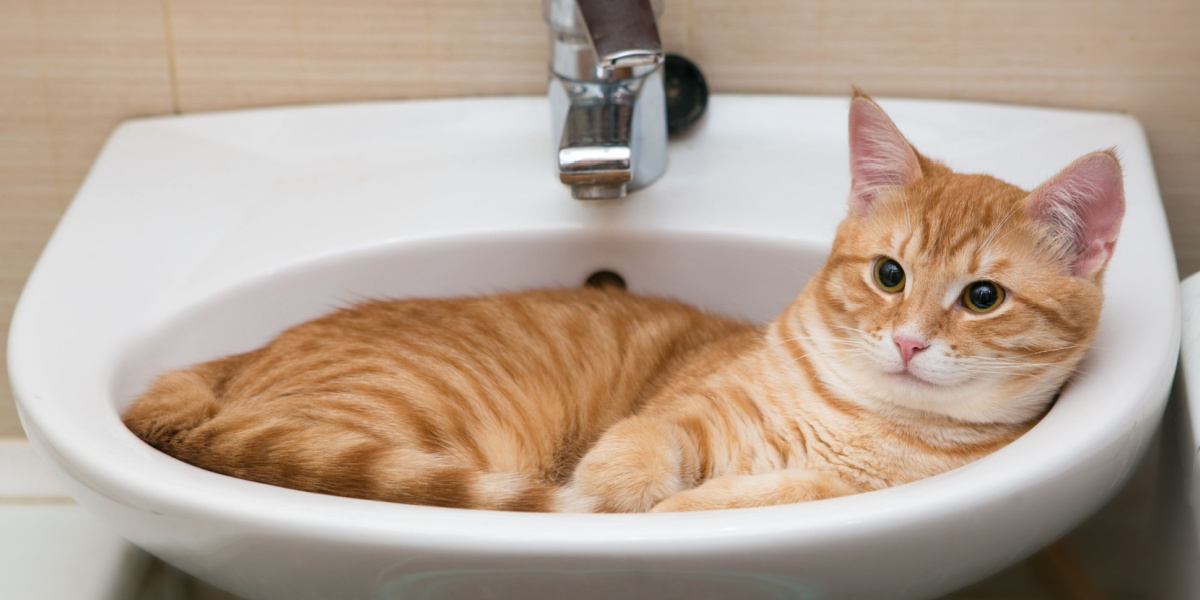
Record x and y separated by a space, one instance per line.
606 94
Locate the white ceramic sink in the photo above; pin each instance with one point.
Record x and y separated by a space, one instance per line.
204 235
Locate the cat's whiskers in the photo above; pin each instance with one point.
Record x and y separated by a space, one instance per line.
851 351
841 346
862 331
846 343
1015 368
823 339
1059 349
1003 362
1000 361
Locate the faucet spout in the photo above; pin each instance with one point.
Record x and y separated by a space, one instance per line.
606 95
596 167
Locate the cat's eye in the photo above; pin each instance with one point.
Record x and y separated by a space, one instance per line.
889 275
982 296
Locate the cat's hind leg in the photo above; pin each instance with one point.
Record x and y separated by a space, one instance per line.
343 457
178 402
786 486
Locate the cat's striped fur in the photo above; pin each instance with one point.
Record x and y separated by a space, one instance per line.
600 400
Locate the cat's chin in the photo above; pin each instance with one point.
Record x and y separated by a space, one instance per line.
907 390
910 378
968 401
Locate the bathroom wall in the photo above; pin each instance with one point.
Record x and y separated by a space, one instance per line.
71 69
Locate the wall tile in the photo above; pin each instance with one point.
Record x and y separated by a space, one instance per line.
69 71
233 54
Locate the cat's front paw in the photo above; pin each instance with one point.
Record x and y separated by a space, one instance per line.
765 489
710 496
680 502
625 472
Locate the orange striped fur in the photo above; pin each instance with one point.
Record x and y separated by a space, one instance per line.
597 400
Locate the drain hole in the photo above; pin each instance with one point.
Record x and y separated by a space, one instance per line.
603 279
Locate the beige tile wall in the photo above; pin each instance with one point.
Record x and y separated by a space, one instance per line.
71 69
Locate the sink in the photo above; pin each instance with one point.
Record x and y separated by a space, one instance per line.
204 235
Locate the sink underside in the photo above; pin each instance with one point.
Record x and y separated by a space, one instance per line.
203 235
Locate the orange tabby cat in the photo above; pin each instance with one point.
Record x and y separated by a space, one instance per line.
951 309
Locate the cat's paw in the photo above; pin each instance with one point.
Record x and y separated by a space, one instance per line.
713 495
787 486
627 472
621 484
680 503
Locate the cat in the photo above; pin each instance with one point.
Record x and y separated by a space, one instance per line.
950 311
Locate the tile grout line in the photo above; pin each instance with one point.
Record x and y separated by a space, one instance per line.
172 70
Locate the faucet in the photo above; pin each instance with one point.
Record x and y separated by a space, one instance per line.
606 95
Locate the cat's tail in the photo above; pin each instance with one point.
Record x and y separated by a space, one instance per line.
346 463
517 492
507 491
178 402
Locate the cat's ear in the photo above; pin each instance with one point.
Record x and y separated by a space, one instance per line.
1083 205
880 158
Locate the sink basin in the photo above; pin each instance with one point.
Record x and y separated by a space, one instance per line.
204 235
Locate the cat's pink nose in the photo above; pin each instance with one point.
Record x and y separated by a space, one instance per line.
909 347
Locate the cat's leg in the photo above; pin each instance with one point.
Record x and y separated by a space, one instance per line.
636 463
178 402
786 486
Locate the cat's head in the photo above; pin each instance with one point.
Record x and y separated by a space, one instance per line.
959 294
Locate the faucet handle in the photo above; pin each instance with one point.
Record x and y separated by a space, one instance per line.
623 33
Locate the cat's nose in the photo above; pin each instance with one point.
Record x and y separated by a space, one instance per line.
909 346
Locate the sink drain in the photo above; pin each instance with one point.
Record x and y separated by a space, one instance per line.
603 279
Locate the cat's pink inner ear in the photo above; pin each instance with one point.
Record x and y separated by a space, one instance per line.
1083 204
880 158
